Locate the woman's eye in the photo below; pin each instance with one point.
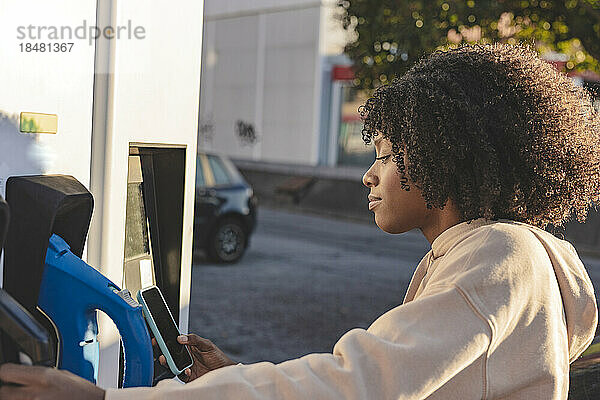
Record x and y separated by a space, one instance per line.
383 159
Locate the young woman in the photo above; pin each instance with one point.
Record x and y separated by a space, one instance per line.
480 148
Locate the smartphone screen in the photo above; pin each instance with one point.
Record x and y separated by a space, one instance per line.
166 326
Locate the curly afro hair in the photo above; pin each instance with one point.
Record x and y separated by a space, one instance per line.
494 128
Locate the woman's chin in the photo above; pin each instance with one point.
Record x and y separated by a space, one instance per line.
389 226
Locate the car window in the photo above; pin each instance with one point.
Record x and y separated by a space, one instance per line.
200 182
219 172
234 174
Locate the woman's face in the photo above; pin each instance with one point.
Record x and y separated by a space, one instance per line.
396 210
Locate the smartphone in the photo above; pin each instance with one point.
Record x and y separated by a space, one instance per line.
163 328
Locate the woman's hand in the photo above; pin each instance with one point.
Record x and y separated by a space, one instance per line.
206 356
43 383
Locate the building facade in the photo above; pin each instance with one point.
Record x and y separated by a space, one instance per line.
274 86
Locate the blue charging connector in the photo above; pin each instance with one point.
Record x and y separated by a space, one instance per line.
71 291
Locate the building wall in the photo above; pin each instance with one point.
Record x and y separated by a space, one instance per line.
228 85
289 87
219 8
261 68
59 83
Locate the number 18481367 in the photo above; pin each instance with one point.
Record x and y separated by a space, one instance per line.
45 47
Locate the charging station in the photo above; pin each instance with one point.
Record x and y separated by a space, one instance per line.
119 115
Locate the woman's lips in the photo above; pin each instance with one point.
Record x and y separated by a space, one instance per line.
373 202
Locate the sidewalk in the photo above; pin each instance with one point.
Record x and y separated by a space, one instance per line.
339 193
336 192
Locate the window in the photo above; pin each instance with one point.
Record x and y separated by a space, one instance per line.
351 148
220 174
232 171
200 182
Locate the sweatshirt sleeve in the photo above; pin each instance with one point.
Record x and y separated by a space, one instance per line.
408 353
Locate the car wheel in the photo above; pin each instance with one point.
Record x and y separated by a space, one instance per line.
227 243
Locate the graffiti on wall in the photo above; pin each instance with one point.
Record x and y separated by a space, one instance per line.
246 133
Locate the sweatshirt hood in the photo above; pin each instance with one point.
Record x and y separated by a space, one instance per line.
577 292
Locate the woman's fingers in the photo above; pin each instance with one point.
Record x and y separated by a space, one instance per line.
161 359
195 340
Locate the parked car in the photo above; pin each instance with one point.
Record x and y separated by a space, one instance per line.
225 212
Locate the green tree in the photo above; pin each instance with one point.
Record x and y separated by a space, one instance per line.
390 35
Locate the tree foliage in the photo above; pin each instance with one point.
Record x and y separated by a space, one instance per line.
390 35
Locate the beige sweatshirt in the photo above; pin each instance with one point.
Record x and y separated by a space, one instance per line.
496 309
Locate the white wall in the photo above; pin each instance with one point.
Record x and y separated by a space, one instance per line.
262 67
291 80
51 83
221 8
230 82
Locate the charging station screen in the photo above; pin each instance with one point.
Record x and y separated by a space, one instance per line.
166 326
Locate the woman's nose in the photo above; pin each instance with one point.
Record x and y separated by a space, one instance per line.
369 178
